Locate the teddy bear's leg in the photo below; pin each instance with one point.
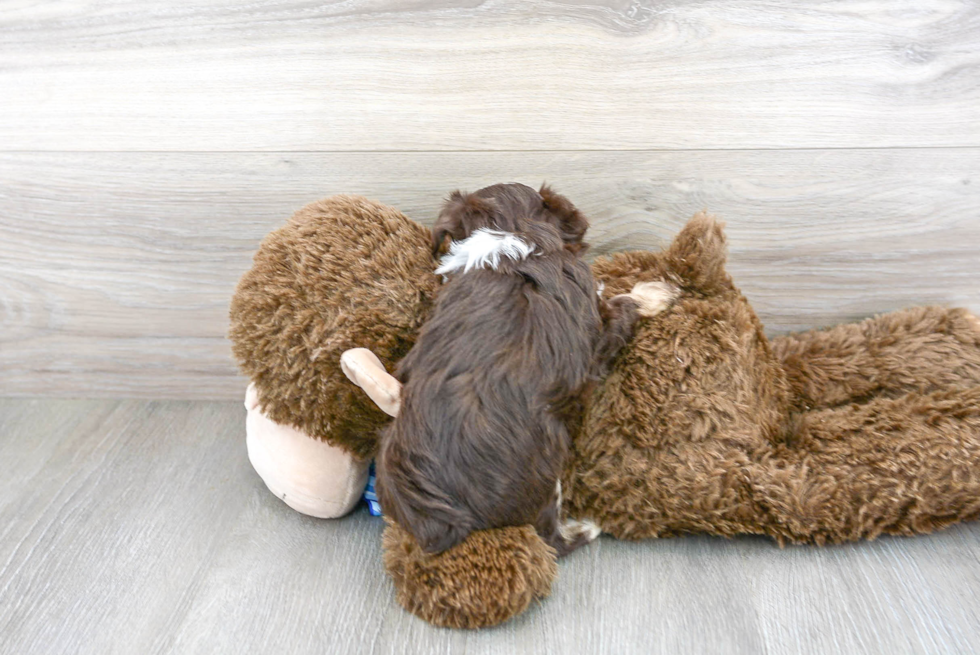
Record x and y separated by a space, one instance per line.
921 349
902 465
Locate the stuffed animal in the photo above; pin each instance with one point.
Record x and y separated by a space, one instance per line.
343 272
703 425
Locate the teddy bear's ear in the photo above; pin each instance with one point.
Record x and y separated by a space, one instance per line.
698 255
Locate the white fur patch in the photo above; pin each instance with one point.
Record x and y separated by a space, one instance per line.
483 249
572 528
653 297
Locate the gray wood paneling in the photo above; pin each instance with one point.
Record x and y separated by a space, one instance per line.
498 75
116 268
139 527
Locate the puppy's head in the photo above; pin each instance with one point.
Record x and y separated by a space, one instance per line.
504 207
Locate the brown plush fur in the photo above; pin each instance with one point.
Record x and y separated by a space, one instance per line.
342 273
489 578
703 425
826 436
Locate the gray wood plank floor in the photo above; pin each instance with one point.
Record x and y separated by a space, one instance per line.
139 527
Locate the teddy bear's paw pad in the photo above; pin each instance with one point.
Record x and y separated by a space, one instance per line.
653 297
492 576
572 529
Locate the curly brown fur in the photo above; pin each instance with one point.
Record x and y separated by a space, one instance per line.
922 349
343 272
489 578
491 386
826 436
901 465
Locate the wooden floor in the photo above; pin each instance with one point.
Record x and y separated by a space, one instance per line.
139 527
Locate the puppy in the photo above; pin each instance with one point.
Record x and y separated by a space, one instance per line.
494 386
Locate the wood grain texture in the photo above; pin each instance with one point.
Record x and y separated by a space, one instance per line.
116 268
139 527
369 75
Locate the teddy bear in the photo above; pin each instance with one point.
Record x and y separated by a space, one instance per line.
343 272
702 425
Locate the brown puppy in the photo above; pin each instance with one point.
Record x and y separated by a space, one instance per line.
495 382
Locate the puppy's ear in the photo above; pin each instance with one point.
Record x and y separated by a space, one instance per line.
460 216
569 220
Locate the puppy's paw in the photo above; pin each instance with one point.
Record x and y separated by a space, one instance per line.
573 530
653 297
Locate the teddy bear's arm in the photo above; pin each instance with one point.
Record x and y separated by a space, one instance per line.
620 314
920 349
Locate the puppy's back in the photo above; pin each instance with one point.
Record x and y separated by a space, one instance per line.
480 437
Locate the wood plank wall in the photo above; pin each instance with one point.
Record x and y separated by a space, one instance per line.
146 149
